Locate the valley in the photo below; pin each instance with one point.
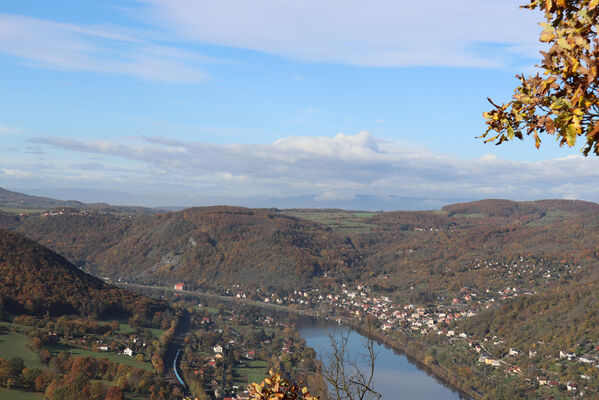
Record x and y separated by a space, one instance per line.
488 295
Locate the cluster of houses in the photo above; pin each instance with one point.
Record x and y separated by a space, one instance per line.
126 344
540 270
206 363
62 211
437 319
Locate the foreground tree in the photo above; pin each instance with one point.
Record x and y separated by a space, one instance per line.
564 102
277 387
350 376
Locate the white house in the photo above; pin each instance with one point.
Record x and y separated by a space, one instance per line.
128 352
218 349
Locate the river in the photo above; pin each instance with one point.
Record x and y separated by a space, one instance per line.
396 378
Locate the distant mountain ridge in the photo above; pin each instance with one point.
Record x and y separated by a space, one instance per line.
20 201
509 208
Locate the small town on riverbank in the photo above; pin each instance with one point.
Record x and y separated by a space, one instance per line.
440 325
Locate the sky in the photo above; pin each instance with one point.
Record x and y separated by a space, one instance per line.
271 103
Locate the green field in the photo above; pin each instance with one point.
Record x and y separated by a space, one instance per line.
125 328
14 344
208 309
21 210
473 215
250 371
13 326
7 394
364 214
551 217
340 221
112 357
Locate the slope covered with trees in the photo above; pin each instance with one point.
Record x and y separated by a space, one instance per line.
222 246
34 280
199 246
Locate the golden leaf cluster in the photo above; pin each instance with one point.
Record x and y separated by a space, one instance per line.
564 101
276 387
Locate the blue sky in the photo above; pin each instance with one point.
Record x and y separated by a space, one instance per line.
270 103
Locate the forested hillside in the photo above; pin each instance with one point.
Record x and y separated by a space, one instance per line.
431 251
36 281
208 246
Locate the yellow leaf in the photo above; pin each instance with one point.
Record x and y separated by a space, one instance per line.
593 4
547 36
563 43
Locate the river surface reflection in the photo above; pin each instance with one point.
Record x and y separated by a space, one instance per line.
396 378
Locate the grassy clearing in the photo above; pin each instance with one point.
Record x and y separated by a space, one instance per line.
125 328
473 215
13 344
8 394
551 217
21 210
250 371
364 214
157 332
11 326
208 309
340 221
112 357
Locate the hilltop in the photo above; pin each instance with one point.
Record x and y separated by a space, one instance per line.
19 202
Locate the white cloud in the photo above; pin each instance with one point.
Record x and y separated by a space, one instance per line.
482 33
338 167
100 49
15 173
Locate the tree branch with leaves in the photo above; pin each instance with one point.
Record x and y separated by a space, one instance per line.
564 101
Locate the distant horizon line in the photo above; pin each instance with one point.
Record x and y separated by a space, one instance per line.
410 203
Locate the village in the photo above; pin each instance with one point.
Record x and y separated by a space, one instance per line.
441 320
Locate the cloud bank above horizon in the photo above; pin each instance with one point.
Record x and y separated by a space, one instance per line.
339 167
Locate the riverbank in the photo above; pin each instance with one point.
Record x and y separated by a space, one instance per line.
416 354
414 351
